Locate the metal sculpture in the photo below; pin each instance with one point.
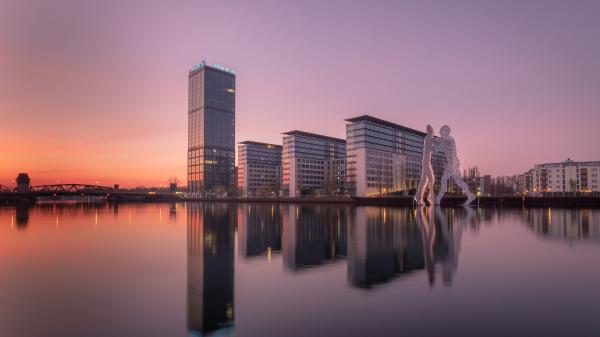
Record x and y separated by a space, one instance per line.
447 145
427 176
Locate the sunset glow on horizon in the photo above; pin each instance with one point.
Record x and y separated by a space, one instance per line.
97 92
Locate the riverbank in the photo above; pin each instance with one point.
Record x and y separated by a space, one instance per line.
394 201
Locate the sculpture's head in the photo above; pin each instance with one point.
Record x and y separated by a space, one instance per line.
445 131
429 130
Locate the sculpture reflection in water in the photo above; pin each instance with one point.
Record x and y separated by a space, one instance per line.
386 243
442 240
210 264
380 244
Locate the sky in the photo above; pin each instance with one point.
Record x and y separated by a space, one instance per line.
96 91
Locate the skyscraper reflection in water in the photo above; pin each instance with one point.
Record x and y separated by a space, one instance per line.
210 261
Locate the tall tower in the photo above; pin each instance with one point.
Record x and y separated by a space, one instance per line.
211 129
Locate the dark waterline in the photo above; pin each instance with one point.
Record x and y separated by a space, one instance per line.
297 270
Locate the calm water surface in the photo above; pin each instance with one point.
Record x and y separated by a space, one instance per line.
294 270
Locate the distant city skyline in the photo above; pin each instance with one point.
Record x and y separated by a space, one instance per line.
96 92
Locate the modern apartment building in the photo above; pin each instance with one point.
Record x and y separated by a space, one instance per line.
384 157
312 163
259 169
211 130
525 182
567 176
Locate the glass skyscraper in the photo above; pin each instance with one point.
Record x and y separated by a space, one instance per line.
211 130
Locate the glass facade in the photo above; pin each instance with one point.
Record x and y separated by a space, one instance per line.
211 130
384 157
259 168
313 163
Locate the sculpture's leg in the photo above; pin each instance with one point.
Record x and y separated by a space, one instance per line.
463 185
443 187
421 189
431 183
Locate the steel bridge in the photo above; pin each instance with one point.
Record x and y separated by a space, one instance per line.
71 189
59 191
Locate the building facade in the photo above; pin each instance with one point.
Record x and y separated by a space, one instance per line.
211 130
525 183
567 176
312 164
385 158
259 169
485 185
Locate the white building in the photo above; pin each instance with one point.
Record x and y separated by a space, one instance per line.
383 157
568 176
312 163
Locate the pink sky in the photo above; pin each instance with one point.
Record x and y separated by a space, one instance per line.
97 91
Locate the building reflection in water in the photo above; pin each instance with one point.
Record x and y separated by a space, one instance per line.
569 225
22 216
313 234
173 212
259 229
210 263
383 243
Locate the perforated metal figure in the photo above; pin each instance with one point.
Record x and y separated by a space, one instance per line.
447 145
427 176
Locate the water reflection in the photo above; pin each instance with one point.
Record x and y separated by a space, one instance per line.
313 235
151 285
22 216
568 225
210 260
259 229
383 243
380 244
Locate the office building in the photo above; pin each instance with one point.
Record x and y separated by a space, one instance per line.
211 130
567 176
313 164
259 169
385 158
